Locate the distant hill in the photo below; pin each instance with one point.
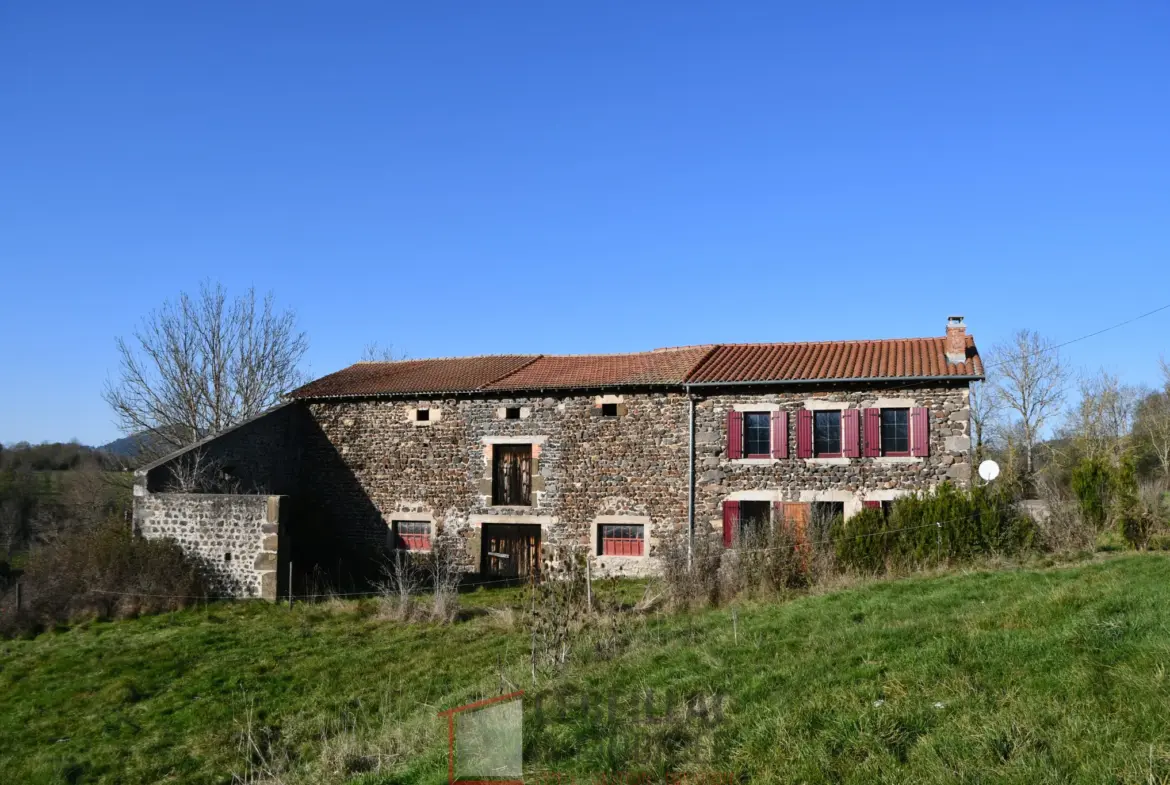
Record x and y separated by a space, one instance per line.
129 447
59 457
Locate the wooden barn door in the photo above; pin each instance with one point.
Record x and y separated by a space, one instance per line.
511 550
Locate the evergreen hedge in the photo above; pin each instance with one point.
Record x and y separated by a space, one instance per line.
976 522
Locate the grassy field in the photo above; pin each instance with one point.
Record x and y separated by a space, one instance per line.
1023 675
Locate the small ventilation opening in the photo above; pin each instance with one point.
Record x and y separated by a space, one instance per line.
512 413
422 415
609 410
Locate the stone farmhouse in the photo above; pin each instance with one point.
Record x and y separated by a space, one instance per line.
518 456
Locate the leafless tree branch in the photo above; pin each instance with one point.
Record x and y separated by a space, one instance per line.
1030 385
202 364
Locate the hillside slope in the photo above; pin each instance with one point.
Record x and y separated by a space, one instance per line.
1053 675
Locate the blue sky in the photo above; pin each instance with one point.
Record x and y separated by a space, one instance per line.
465 178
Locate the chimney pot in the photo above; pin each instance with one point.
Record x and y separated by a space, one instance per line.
955 344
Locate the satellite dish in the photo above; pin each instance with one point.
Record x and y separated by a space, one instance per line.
989 470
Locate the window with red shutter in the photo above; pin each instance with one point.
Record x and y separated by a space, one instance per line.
804 429
730 522
827 434
757 435
734 434
920 432
779 434
851 433
874 505
873 432
895 432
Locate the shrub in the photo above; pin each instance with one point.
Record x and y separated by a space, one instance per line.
697 583
977 522
105 573
443 563
1092 482
776 559
403 580
1141 512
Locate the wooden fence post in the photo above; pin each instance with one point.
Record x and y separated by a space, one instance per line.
589 584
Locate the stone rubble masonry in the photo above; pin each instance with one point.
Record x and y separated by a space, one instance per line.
852 480
235 538
354 466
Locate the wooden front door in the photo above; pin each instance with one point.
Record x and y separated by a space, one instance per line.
510 550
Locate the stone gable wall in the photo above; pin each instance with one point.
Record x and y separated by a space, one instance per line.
210 527
260 456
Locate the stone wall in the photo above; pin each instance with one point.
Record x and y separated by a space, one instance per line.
373 463
355 466
377 463
235 538
850 481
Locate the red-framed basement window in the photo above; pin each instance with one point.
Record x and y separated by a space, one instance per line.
412 535
621 539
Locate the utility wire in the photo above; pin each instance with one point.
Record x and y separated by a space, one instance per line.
1078 339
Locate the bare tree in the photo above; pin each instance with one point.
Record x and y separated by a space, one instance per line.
1152 428
374 352
195 472
985 411
1103 419
1030 384
202 364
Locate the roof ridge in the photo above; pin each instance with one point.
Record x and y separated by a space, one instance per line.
836 340
452 357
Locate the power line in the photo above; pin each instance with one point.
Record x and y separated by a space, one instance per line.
1078 339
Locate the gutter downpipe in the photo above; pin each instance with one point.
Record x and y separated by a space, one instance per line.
691 478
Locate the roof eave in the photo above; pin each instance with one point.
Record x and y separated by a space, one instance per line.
637 385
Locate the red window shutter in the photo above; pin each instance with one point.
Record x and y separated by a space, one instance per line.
873 433
804 433
873 505
730 522
920 432
851 433
779 434
734 434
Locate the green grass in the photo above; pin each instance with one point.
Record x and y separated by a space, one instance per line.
1025 675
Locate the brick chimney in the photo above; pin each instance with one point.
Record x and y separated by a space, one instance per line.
956 340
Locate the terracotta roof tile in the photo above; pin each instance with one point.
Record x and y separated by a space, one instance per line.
662 366
777 362
759 362
451 374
